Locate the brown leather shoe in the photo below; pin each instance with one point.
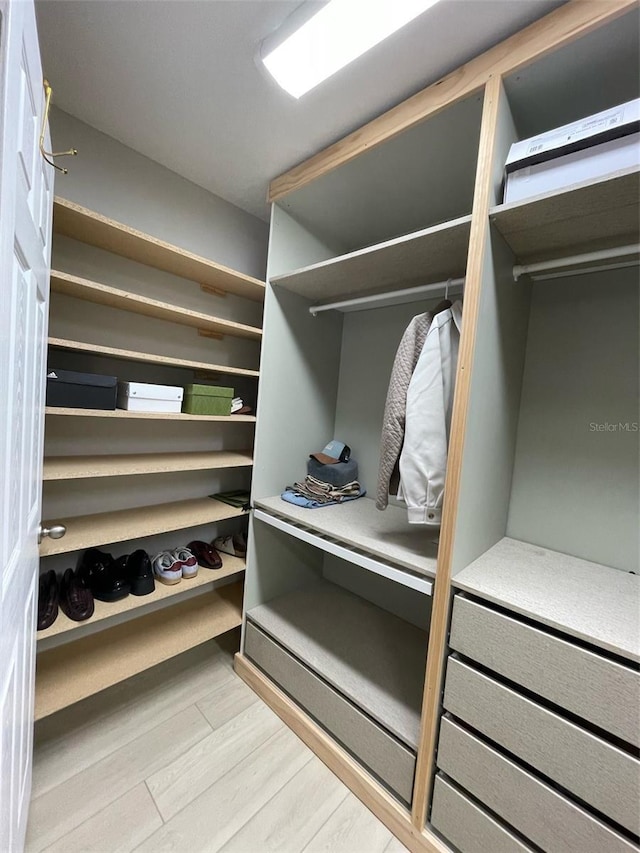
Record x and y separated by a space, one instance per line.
76 600
205 554
47 600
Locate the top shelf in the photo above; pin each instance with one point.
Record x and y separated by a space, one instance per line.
79 223
421 257
586 600
584 217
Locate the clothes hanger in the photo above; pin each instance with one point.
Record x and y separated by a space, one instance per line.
444 303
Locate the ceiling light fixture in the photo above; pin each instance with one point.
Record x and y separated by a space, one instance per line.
335 36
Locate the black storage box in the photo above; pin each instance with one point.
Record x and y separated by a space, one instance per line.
81 390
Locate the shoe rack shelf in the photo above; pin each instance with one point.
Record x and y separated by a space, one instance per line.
162 596
122 638
89 531
82 467
73 671
146 416
102 294
79 223
150 358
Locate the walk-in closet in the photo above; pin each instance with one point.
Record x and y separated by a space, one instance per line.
438 651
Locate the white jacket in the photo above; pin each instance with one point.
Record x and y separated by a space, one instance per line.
423 461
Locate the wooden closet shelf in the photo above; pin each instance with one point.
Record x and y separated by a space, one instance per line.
73 671
81 467
386 535
102 294
586 600
163 596
73 220
432 254
154 416
584 217
87 531
149 358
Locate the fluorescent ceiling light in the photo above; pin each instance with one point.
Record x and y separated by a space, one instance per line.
339 33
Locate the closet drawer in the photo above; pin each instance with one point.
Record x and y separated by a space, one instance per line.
467 826
577 679
371 744
545 817
600 774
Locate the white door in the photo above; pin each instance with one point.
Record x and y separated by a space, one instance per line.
26 198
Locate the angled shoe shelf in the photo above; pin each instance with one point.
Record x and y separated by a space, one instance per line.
105 465
64 629
149 358
102 294
86 531
87 226
73 671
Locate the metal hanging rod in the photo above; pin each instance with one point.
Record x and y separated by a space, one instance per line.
392 297
573 260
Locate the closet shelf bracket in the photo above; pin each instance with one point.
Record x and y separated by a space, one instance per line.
205 333
212 291
571 264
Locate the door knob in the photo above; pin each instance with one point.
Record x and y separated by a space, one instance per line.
56 531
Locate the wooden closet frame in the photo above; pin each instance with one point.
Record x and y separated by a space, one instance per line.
485 72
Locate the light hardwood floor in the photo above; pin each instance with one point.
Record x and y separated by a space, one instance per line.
185 757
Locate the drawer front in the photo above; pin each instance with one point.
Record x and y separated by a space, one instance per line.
552 821
377 749
600 774
467 826
595 688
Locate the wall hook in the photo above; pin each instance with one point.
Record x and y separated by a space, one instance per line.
49 155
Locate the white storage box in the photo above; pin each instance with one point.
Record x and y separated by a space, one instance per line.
585 150
142 397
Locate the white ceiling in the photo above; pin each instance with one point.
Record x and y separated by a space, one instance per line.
179 80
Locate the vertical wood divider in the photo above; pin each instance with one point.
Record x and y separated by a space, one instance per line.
478 245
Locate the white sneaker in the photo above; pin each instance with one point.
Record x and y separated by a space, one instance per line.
235 545
166 568
187 561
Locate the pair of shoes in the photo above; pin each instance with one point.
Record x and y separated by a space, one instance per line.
103 575
137 570
69 595
235 545
206 554
171 566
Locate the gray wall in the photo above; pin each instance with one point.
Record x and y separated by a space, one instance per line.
116 181
575 482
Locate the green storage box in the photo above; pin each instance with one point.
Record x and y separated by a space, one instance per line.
207 400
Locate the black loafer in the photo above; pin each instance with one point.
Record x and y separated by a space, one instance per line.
140 573
100 573
76 601
47 600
